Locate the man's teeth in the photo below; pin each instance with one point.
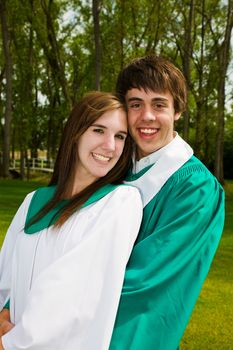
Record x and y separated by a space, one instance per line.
101 157
148 131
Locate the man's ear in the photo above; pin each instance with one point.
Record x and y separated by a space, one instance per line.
177 116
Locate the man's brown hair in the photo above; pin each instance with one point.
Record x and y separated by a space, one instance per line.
154 73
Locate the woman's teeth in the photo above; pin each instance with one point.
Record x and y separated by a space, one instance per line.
101 157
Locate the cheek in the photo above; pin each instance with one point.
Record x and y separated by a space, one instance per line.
120 149
132 118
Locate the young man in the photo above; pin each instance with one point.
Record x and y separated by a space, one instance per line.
183 213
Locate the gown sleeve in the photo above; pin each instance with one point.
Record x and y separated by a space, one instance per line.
180 233
73 302
7 249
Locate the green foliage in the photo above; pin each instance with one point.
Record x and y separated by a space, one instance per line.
52 44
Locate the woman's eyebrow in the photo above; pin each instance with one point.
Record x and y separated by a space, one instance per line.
104 127
99 125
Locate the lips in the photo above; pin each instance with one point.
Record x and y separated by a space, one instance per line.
147 132
101 157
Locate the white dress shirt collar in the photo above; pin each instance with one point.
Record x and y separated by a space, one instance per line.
144 162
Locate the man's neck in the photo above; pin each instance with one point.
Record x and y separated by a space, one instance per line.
152 158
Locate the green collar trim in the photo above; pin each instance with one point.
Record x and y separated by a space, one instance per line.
132 177
43 195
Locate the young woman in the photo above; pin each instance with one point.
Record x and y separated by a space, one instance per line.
64 256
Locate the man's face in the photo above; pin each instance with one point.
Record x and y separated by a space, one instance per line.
151 118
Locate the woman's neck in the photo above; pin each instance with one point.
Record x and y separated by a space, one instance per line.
76 186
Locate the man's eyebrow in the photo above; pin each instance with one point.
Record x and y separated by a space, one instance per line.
158 99
163 99
134 99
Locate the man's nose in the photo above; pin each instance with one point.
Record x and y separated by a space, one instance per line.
149 114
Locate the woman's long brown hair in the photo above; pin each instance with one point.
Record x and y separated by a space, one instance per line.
83 115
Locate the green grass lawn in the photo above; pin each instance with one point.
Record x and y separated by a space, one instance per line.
211 323
12 192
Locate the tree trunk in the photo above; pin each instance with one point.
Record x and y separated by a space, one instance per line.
188 49
50 46
121 33
22 162
95 12
8 75
199 146
223 60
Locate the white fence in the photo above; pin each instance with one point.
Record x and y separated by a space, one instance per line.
33 164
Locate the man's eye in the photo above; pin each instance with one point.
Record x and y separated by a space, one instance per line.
158 106
134 105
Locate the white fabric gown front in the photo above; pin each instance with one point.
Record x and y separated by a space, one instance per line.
66 283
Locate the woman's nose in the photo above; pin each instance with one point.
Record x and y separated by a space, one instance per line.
109 143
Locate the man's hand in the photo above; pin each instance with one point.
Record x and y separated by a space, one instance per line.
5 327
4 315
5 323
1 347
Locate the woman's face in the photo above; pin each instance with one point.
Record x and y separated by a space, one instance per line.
101 145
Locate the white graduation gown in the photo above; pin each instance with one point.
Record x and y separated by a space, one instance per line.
66 283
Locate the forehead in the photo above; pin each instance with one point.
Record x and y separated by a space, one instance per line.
114 119
149 95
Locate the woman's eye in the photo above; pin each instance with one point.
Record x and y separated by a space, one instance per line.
98 130
120 137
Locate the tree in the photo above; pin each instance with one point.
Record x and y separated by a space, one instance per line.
57 59
95 11
223 61
8 75
185 46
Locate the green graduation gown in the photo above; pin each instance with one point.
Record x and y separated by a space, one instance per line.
180 232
